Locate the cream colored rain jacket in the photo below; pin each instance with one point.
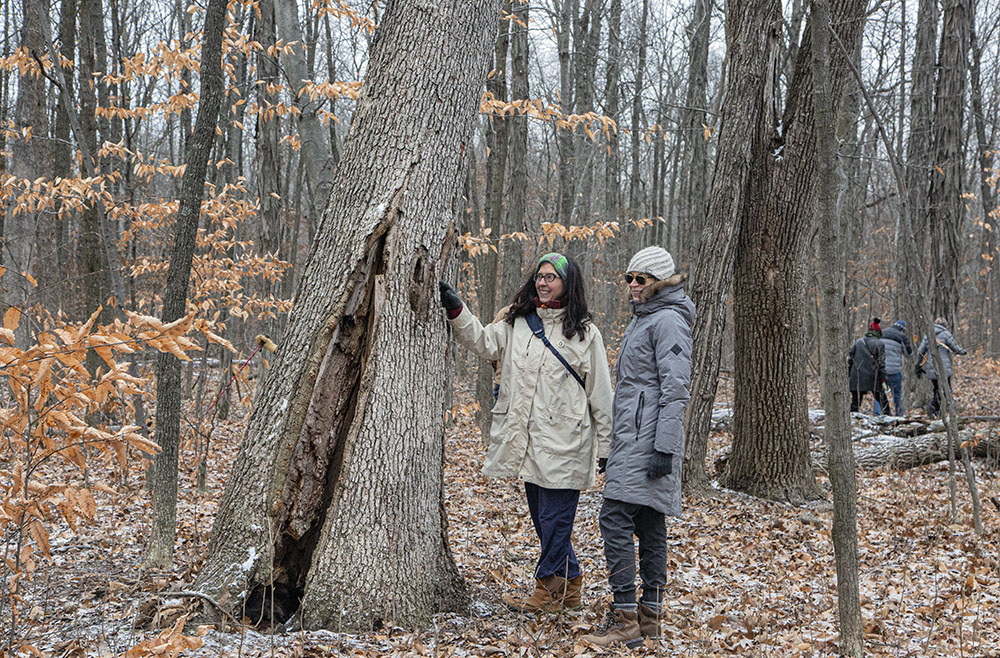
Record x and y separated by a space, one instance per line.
547 430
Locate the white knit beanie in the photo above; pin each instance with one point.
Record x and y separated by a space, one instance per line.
653 260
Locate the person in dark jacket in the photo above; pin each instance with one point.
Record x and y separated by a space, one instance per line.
898 346
866 367
643 482
947 341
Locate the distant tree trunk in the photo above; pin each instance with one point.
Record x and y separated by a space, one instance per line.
315 151
695 144
62 149
336 497
910 266
989 256
947 206
93 257
168 367
634 202
517 156
564 136
488 267
834 341
771 434
28 161
752 32
589 31
612 166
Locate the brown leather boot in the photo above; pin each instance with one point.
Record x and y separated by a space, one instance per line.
619 627
649 621
573 598
548 596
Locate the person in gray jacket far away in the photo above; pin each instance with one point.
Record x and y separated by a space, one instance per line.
946 346
643 482
898 346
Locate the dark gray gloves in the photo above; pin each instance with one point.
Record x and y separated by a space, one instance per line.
660 464
602 464
449 298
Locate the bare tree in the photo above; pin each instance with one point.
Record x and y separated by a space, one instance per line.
335 500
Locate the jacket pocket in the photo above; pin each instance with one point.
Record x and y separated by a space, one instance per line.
638 412
501 407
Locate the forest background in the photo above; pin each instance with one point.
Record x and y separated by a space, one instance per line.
600 130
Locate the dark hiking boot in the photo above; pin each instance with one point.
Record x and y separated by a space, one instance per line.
618 627
649 621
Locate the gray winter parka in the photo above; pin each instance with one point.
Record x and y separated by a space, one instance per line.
897 347
944 339
654 372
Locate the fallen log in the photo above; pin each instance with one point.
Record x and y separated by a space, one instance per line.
901 453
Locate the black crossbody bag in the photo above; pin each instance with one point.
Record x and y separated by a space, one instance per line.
535 323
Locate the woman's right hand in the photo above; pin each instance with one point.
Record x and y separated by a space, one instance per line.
449 298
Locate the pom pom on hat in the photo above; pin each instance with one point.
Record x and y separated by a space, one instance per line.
653 260
875 326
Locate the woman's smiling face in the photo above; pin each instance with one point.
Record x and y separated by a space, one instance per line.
548 290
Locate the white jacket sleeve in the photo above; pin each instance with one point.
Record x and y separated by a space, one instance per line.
599 394
487 341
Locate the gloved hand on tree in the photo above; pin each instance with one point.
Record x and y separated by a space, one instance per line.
660 464
449 298
602 464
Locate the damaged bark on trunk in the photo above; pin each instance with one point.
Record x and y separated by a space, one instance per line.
336 497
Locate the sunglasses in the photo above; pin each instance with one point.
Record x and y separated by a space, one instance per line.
641 279
548 277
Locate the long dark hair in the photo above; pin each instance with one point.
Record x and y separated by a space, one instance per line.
574 300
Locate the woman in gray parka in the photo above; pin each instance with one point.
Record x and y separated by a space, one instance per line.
647 447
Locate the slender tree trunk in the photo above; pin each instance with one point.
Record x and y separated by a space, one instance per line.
62 148
752 33
834 342
564 136
315 151
695 144
337 490
612 167
634 202
517 156
947 206
987 192
770 455
92 255
168 367
29 157
584 71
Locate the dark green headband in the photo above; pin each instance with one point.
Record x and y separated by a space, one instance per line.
557 261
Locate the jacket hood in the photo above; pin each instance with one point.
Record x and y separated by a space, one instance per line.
663 294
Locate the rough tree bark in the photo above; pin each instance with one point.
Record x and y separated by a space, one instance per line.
336 495
771 436
695 144
517 154
752 31
834 341
635 177
168 367
947 176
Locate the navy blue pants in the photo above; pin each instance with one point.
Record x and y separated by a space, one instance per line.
552 513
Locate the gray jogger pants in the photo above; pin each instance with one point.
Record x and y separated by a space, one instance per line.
619 523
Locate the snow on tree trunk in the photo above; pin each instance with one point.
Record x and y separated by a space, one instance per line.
336 496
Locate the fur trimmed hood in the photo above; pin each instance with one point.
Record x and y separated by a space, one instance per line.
653 288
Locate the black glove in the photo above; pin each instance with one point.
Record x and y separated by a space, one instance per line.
449 298
602 464
920 371
660 464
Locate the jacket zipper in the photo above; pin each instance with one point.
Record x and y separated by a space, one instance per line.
638 413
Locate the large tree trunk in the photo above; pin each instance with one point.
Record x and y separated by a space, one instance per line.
833 341
336 495
168 367
752 30
517 156
634 202
947 176
771 437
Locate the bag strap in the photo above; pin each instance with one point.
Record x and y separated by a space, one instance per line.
535 323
